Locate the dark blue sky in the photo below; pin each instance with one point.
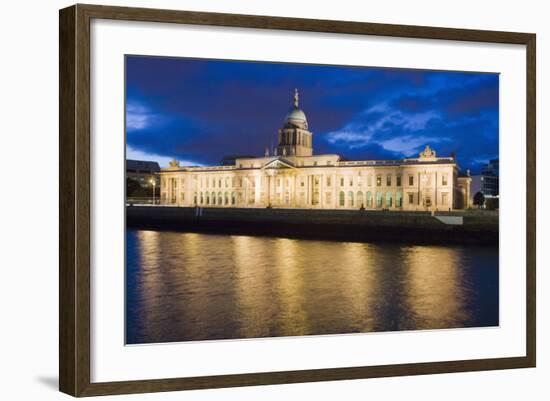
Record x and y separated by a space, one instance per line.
201 110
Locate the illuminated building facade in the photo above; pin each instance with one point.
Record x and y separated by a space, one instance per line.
294 177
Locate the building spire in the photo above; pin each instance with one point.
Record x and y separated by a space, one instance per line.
296 97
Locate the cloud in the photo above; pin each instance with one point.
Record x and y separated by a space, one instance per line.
163 161
380 124
409 144
137 117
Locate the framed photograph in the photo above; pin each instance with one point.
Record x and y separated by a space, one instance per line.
249 200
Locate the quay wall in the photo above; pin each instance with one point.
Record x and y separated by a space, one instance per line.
352 225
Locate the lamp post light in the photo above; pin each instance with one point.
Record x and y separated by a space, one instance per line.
154 184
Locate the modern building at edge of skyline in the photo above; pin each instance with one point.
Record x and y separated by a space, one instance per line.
488 181
294 177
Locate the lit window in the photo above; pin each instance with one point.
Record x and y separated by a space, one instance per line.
342 199
378 180
378 199
399 199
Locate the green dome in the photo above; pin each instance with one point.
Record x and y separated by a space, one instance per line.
296 114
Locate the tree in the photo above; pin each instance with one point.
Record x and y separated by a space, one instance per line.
479 199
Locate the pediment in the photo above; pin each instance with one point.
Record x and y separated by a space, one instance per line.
278 164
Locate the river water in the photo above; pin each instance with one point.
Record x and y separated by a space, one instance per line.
188 286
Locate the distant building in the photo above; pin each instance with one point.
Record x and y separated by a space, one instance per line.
143 172
294 177
487 181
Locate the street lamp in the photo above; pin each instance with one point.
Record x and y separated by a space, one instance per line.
154 184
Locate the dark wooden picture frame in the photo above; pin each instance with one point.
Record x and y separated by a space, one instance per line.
74 199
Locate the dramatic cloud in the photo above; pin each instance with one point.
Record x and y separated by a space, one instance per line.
202 110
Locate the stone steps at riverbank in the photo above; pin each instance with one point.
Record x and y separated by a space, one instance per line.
353 225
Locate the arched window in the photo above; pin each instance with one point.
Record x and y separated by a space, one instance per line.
226 198
360 199
220 199
213 198
399 199
342 199
378 199
202 198
208 198
350 199
232 198
388 199
369 198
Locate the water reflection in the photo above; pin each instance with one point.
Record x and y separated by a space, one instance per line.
185 286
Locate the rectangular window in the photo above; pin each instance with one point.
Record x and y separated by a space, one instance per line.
328 181
369 180
444 199
351 181
314 163
444 180
302 183
411 199
342 182
328 198
388 180
359 181
398 178
378 180
411 180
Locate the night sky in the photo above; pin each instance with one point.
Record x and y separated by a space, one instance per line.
199 111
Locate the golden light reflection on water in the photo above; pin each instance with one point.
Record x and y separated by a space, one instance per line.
435 293
185 286
292 316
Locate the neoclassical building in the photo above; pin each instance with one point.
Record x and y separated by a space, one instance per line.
294 177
